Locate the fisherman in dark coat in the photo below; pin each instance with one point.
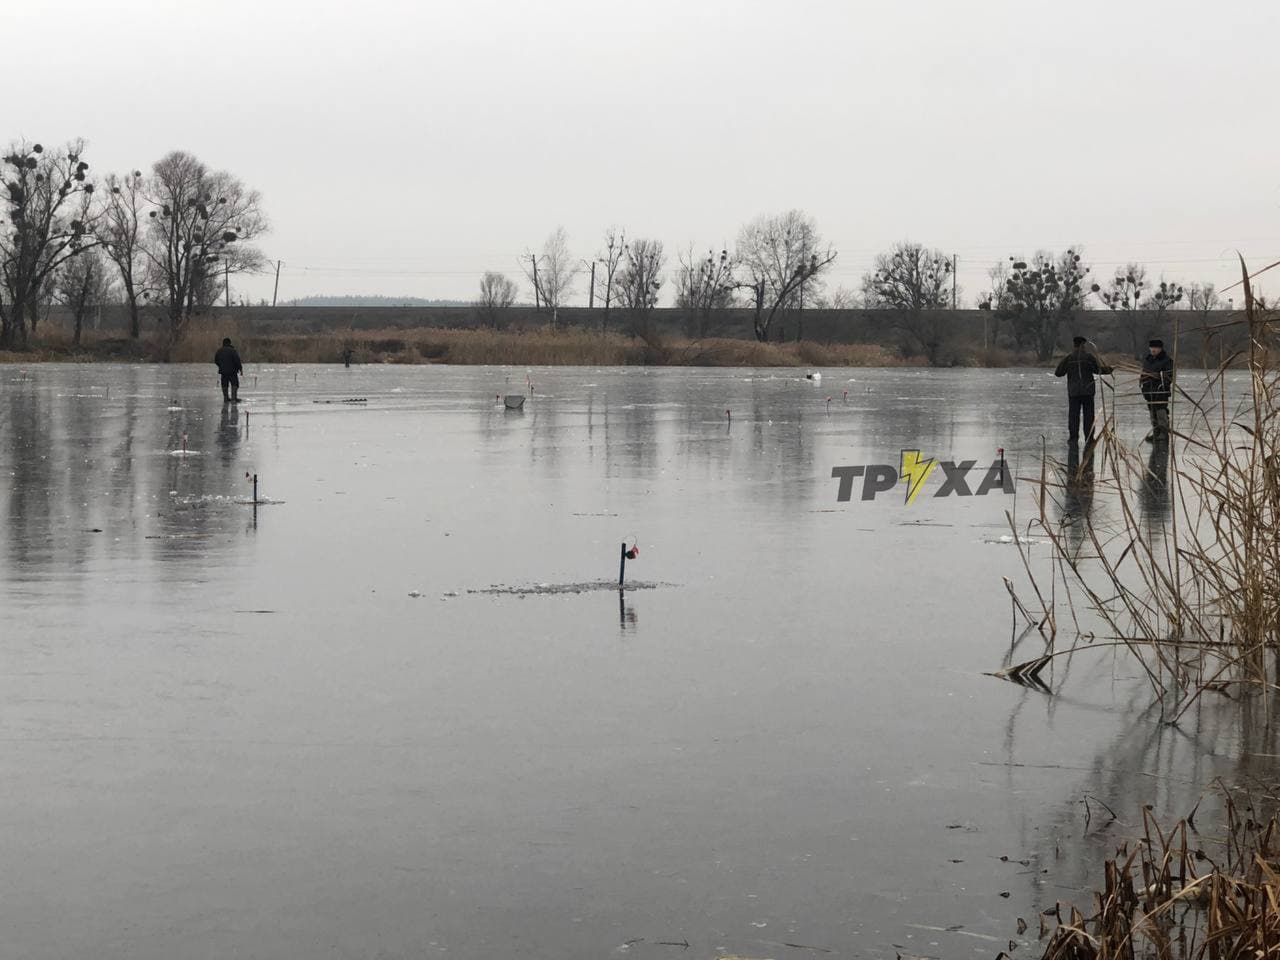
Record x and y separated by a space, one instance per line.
1080 367
229 368
1156 382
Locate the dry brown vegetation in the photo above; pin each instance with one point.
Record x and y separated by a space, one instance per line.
1195 595
1168 897
571 346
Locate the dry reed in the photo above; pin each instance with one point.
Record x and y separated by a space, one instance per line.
1168 898
1194 595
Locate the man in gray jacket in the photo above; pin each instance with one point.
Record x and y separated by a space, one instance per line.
1080 367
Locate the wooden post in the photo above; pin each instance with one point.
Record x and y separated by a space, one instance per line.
226 280
622 565
591 292
255 489
275 290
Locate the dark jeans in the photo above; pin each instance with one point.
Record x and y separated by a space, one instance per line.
233 381
1077 406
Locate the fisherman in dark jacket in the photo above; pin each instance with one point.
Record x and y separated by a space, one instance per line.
228 360
1080 367
1156 382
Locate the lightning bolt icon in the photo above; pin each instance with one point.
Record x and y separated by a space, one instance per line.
915 471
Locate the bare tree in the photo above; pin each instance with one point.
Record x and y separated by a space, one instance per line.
1122 296
82 283
841 298
123 232
779 255
638 281
704 286
1164 297
1045 292
497 293
1202 299
199 234
910 278
915 283
47 201
615 245
1000 301
553 272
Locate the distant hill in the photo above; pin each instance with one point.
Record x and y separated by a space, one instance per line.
373 301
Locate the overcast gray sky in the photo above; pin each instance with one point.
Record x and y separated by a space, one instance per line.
403 148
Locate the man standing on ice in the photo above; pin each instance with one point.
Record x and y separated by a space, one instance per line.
1156 382
1080 367
228 360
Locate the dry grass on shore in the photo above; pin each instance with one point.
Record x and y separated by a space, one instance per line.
573 347
567 347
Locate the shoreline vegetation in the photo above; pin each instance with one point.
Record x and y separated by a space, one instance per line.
527 346
523 336
443 345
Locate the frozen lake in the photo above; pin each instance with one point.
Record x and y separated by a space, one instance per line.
237 732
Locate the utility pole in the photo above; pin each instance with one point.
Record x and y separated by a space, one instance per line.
276 289
591 292
537 304
955 263
226 281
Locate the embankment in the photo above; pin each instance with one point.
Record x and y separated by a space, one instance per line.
448 346
521 335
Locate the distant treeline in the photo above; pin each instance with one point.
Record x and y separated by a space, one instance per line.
166 242
779 269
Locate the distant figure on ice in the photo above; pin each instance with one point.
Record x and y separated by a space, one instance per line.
1080 367
229 367
1156 381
